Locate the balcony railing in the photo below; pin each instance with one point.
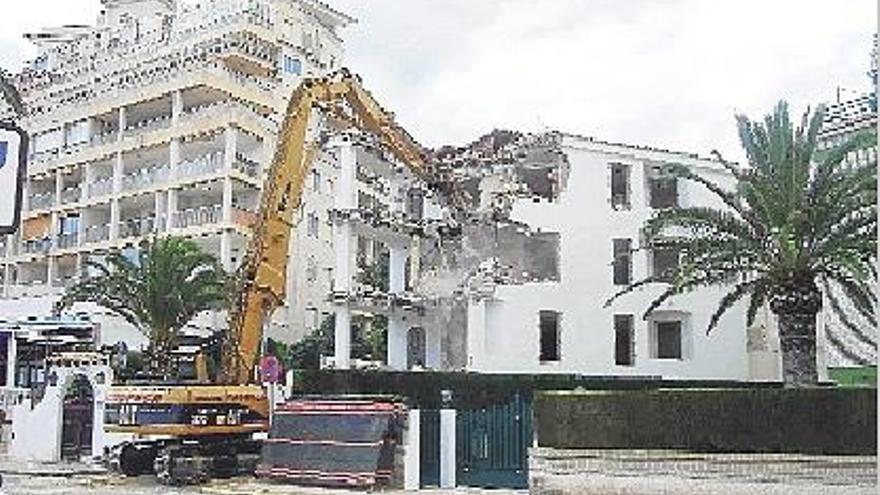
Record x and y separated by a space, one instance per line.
41 201
145 126
203 165
137 227
67 281
107 137
100 187
246 166
68 240
202 215
145 177
71 195
97 233
37 246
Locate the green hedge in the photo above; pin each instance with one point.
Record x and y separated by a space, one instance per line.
469 389
809 421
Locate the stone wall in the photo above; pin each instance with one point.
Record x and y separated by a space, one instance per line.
564 471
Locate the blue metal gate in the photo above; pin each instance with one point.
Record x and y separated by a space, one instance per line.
492 444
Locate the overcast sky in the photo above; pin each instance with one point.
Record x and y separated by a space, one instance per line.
666 73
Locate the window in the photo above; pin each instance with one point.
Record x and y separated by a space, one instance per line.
668 339
415 204
620 186
311 318
622 262
292 65
311 270
662 188
316 181
314 224
549 327
624 343
664 262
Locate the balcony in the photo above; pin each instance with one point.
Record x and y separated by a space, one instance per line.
67 281
149 125
68 240
100 187
41 201
37 246
244 218
72 194
107 137
245 166
206 164
145 177
203 215
137 227
97 233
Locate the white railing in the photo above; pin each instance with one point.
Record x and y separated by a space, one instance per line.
202 215
37 246
145 177
144 126
68 240
13 396
203 165
246 166
97 233
41 201
71 195
100 187
137 227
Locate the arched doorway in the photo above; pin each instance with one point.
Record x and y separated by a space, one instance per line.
77 419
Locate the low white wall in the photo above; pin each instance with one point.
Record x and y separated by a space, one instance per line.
37 430
447 448
412 457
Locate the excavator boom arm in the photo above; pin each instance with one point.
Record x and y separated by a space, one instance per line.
262 277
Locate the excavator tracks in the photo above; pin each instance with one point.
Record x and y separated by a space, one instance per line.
177 462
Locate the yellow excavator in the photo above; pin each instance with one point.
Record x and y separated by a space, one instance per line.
188 433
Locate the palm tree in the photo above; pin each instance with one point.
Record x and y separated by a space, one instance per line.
163 288
801 223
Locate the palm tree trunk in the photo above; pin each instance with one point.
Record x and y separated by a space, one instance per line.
796 305
161 359
797 339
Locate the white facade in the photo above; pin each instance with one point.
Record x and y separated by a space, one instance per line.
504 329
159 120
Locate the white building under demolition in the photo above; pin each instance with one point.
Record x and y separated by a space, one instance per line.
518 284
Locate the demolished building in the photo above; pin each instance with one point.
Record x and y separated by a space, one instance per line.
528 239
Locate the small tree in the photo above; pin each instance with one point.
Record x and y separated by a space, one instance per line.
159 291
306 354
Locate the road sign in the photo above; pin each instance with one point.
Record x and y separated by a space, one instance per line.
13 157
270 369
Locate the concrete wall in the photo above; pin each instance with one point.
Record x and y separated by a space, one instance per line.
587 223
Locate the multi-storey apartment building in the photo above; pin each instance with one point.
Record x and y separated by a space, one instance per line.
159 120
854 341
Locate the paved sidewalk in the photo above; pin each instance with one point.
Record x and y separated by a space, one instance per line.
9 466
248 487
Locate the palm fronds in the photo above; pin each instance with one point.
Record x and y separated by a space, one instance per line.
796 216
